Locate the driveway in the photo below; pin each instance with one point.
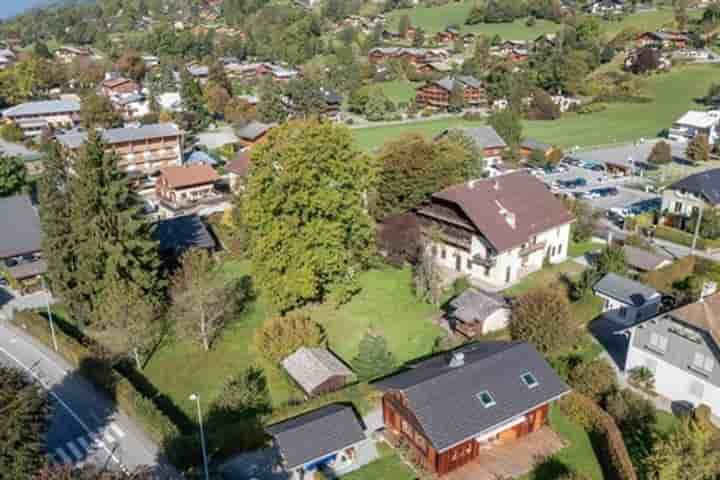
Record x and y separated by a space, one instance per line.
607 333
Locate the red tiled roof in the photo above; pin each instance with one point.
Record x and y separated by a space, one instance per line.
187 176
489 203
241 164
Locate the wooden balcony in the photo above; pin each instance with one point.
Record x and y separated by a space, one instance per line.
488 262
529 249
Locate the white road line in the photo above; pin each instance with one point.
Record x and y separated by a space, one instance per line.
83 443
65 406
39 352
108 437
117 430
74 451
64 458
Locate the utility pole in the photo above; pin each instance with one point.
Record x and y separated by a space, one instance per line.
49 312
697 231
196 398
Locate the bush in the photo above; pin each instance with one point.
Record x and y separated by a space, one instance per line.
663 279
542 317
643 378
282 335
593 379
12 132
473 116
594 107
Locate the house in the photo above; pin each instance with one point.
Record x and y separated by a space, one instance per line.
529 146
566 103
7 58
545 41
35 117
642 260
253 132
141 151
605 7
198 72
451 406
626 301
688 196
67 54
449 35
436 93
331 103
513 50
681 348
414 55
238 170
322 439
20 240
663 39
177 235
440 68
198 157
131 106
694 123
485 138
186 185
316 370
477 312
497 231
112 87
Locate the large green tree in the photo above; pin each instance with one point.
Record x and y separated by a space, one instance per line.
374 359
98 111
12 175
23 424
305 209
686 453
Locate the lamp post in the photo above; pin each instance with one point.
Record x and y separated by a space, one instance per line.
196 398
49 312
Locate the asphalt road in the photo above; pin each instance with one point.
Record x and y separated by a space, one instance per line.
86 426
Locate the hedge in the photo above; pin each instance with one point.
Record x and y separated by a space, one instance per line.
100 373
684 238
605 435
664 278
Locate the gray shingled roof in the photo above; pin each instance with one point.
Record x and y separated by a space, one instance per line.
20 232
43 107
316 434
483 137
532 144
311 367
444 398
448 82
625 290
706 184
121 135
476 305
253 130
642 259
179 234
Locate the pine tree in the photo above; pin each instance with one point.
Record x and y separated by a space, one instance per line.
456 103
698 149
24 418
373 359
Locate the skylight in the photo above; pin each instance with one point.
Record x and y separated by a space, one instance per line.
529 380
486 399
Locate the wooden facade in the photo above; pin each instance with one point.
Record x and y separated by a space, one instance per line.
433 95
401 421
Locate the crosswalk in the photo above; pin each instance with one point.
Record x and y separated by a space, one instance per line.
84 446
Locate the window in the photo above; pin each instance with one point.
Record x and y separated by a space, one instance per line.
559 250
434 251
678 207
694 211
703 362
487 271
486 399
469 263
443 253
529 380
622 312
658 342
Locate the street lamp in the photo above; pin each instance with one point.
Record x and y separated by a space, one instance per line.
49 312
196 398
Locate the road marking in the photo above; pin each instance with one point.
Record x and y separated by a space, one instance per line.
74 450
65 406
83 443
108 437
117 430
64 458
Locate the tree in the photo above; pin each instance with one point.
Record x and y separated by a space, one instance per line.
660 154
306 213
244 395
132 65
217 76
201 301
12 132
681 15
282 336
376 107
418 38
13 176
374 359
192 97
507 124
542 317
306 97
270 107
41 50
686 453
543 107
97 111
611 260
94 472
217 99
646 60
698 149
404 25
24 419
456 102
594 379
427 281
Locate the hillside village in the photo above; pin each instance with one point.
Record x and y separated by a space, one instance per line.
360 239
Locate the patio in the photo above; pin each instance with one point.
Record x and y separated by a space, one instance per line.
511 460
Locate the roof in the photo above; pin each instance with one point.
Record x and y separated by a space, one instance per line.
254 130
698 119
28 269
200 157
443 397
46 107
121 135
179 234
532 144
507 209
189 175
476 305
20 232
116 82
625 290
706 184
642 259
241 164
448 82
311 367
484 137
316 434
704 315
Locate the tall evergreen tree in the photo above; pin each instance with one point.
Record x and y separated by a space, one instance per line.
374 359
270 107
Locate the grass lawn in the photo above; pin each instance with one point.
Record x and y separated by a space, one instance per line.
399 91
373 137
385 304
544 277
577 249
388 466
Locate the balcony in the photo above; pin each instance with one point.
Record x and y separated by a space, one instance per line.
487 262
529 249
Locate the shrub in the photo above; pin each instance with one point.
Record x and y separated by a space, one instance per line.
594 107
660 154
643 378
542 317
374 359
593 379
663 279
282 335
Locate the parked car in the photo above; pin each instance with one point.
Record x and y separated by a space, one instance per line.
574 183
606 192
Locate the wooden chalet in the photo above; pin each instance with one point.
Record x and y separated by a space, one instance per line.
436 93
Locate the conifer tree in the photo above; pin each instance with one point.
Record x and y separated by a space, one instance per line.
373 358
698 149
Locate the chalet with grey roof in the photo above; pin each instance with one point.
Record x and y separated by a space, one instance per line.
477 312
686 197
35 117
485 138
451 406
436 93
643 260
20 239
627 301
316 370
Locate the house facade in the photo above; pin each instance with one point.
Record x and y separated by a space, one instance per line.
21 241
35 117
496 231
186 185
686 197
450 407
694 123
436 94
663 39
680 348
119 86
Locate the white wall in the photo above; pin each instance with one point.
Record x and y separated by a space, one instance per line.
496 321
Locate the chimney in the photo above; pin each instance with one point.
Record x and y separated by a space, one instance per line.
496 185
510 219
457 360
471 184
708 289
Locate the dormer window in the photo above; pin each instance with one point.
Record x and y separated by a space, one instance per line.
486 399
529 380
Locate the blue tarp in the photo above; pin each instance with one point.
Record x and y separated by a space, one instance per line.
319 463
199 157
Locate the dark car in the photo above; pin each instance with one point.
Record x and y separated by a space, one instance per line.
606 192
575 183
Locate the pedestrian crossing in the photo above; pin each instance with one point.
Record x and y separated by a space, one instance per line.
84 446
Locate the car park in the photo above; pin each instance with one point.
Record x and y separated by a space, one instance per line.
606 192
574 183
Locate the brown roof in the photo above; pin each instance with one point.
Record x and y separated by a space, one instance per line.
493 205
241 164
187 176
704 315
115 82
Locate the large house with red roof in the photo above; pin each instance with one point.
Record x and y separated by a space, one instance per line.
497 231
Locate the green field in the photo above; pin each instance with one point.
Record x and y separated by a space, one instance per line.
388 466
673 94
399 90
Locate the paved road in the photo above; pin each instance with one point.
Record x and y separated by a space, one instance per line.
86 427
